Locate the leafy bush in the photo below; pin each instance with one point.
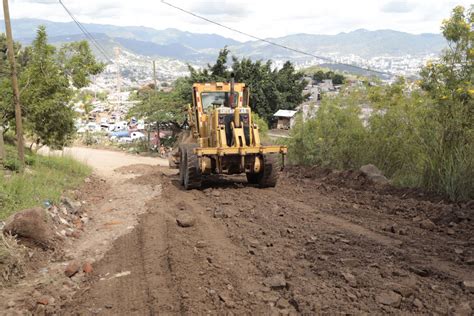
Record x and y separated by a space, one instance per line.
12 164
334 138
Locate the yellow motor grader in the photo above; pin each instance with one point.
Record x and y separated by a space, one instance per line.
224 139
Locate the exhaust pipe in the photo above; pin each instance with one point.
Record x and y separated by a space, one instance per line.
231 95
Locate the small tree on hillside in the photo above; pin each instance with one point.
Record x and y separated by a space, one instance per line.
159 108
78 63
449 82
46 82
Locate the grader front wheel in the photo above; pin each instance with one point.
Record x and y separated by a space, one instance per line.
268 177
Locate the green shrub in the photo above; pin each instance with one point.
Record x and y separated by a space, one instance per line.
334 138
12 164
261 123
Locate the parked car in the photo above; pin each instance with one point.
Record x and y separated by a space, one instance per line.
137 136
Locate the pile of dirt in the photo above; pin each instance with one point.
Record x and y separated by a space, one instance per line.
347 178
363 181
134 169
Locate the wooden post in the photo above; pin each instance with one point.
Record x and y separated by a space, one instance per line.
3 155
16 91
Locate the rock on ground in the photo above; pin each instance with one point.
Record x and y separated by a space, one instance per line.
389 298
184 220
350 279
31 225
468 286
71 269
374 174
275 282
427 224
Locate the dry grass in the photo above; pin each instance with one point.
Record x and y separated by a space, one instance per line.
13 260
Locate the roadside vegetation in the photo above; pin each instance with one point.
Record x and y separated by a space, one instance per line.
48 77
45 178
420 134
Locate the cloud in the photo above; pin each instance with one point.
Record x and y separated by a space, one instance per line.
220 8
41 1
398 6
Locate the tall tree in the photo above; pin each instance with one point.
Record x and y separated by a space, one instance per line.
159 107
270 89
49 117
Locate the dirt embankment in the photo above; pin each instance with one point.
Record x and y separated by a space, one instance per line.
307 246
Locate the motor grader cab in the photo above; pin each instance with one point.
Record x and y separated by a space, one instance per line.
224 139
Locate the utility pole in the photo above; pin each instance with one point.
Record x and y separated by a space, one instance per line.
154 75
16 91
119 77
2 146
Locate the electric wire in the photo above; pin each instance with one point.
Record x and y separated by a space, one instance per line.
274 43
87 34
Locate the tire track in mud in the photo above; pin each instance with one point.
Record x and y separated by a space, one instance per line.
211 273
173 269
146 287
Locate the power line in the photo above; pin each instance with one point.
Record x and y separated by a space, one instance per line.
274 43
87 34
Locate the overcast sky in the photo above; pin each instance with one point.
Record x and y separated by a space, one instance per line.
263 18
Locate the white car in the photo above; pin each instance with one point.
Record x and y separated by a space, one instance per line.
137 136
93 127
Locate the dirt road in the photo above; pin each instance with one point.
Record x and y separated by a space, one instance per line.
105 162
318 243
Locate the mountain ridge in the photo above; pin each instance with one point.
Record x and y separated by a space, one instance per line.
202 47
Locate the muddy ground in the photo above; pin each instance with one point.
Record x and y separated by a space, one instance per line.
319 242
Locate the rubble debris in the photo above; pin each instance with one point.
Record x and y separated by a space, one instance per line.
72 206
87 268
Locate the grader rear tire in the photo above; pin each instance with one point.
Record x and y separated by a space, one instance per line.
182 151
192 173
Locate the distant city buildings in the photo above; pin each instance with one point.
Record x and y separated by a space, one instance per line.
407 65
